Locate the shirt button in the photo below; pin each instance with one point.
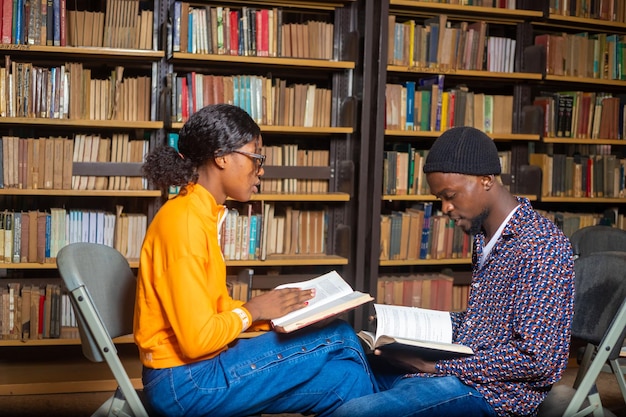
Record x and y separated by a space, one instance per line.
468 323
279 356
253 366
475 285
303 349
328 341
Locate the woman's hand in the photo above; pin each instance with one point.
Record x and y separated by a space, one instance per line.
408 361
277 303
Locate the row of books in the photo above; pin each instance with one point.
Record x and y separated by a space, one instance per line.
436 44
599 56
611 10
47 163
582 114
403 169
426 106
250 235
33 23
247 31
435 291
37 236
290 155
70 92
419 232
31 312
569 222
269 101
122 25
592 176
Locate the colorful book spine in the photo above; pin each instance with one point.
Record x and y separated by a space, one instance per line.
410 105
252 244
428 210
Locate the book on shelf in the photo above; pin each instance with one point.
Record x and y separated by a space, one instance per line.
333 296
427 333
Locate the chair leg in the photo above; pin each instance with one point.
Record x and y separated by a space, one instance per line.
584 364
619 375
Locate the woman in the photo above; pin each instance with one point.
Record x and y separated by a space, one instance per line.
186 324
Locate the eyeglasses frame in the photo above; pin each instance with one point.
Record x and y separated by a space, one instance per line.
260 159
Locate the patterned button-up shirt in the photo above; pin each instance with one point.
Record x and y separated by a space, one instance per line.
519 315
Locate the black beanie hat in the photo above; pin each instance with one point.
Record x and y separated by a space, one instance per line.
463 150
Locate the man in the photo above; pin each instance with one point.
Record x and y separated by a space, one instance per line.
520 303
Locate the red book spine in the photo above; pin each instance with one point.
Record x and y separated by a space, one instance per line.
588 185
234 32
184 102
265 35
63 24
7 20
42 303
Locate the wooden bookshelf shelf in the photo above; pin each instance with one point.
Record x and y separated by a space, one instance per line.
99 124
306 4
47 265
408 197
503 76
128 339
62 370
434 134
82 193
321 64
578 23
302 197
418 8
460 261
585 81
619 142
85 52
576 200
290 130
293 260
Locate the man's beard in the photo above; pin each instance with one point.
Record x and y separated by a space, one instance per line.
477 223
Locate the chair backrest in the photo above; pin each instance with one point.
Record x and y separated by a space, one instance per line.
102 291
600 291
109 282
598 238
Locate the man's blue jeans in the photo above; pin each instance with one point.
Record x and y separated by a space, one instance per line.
313 370
419 397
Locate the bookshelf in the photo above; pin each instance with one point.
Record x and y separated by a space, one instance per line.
355 134
264 71
391 65
101 99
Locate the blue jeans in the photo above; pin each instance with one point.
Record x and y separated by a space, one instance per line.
419 397
313 370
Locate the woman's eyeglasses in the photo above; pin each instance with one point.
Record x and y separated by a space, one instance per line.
258 158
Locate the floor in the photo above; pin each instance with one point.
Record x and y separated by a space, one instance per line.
82 405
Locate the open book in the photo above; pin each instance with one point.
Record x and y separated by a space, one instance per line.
333 295
426 332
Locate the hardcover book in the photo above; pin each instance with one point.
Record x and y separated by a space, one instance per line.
333 295
426 332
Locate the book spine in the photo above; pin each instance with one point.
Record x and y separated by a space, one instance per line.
56 37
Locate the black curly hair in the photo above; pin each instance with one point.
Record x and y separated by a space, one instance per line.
212 131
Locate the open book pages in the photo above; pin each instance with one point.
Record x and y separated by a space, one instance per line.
426 332
333 295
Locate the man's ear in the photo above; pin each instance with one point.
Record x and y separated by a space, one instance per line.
487 181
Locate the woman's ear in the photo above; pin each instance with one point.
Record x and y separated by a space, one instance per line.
220 161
